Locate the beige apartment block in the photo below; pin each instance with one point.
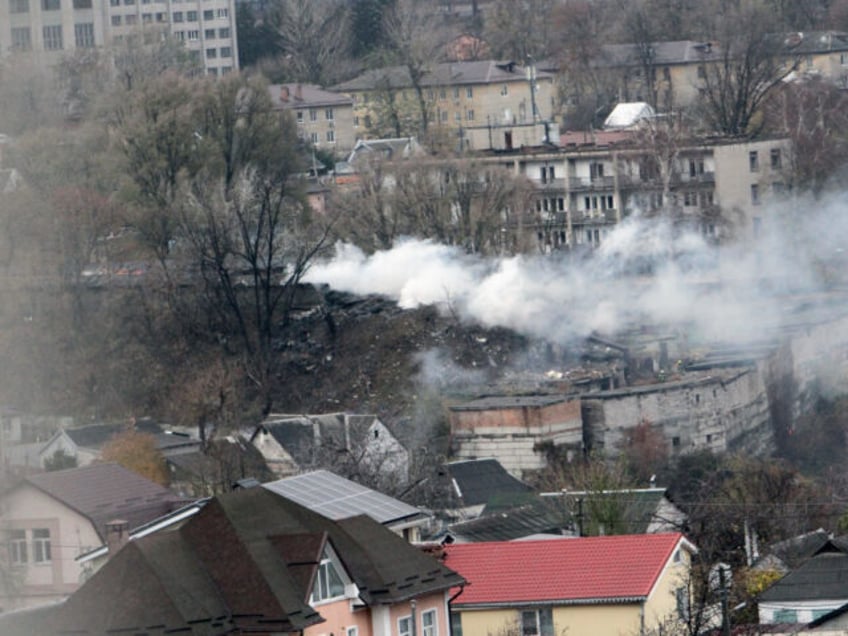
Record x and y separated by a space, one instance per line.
49 29
457 95
324 118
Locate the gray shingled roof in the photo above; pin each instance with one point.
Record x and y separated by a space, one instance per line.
443 74
103 492
672 52
295 96
823 577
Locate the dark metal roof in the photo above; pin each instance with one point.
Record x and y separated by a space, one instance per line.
481 481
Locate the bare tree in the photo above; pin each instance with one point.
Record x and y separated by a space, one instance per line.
749 62
813 114
520 30
416 41
314 36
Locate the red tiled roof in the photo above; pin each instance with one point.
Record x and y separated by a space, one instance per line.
614 568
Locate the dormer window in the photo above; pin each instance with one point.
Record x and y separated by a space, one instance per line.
330 579
328 583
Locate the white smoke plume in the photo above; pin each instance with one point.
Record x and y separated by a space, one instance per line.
645 272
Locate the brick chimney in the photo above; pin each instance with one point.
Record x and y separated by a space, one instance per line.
117 534
284 93
298 92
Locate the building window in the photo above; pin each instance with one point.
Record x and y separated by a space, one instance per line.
405 626
224 33
211 54
443 93
41 545
193 36
84 35
754 161
444 116
785 616
223 13
313 114
178 16
191 16
428 623
299 116
180 36
17 547
469 114
681 596
209 34
209 14
53 38
130 19
331 136
702 72
537 622
82 4
457 116
18 6
328 114
21 39
313 137
504 90
50 5
147 18
328 583
775 159
755 194
456 92
469 92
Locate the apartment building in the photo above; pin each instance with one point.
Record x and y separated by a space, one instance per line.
593 180
457 95
49 29
324 118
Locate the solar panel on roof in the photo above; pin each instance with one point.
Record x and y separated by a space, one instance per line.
338 498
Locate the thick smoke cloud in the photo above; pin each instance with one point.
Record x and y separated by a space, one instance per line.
646 272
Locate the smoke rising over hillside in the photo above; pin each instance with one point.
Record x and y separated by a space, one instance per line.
646 272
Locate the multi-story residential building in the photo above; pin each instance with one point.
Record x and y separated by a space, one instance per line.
593 180
456 95
323 118
48 29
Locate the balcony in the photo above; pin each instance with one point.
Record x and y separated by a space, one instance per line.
557 185
593 183
593 217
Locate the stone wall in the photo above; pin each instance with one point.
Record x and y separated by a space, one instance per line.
721 410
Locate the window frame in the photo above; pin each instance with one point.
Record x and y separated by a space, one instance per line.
16 546
433 628
41 546
407 622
